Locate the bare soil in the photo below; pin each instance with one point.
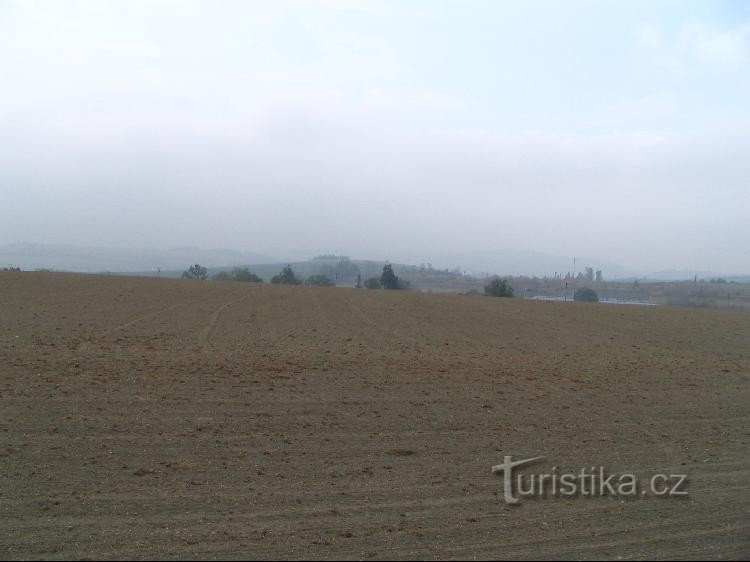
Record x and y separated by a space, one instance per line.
146 418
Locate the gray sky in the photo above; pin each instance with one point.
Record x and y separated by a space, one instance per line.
413 131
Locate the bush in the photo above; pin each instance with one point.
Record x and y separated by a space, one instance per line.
196 271
286 277
373 283
241 274
319 281
499 288
585 294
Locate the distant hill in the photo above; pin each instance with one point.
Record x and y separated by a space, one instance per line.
479 265
96 259
173 261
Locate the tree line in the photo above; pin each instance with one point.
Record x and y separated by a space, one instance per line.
387 280
497 287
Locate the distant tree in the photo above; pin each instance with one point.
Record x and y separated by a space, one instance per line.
388 279
498 288
373 283
286 277
196 271
241 274
585 294
319 281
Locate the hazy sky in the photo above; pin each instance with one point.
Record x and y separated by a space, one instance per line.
402 130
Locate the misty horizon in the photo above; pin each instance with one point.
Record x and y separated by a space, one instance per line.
99 259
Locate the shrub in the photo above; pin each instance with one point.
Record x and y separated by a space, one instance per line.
498 288
241 274
286 277
319 281
585 294
373 283
196 271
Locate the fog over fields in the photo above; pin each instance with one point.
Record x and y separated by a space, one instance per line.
449 134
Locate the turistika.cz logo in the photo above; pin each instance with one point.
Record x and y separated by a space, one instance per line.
588 482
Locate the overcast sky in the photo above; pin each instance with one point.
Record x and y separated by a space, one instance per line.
401 130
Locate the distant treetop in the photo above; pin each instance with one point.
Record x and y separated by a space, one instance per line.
238 274
195 271
586 294
498 288
286 277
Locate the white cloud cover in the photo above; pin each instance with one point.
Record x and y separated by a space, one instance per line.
251 126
